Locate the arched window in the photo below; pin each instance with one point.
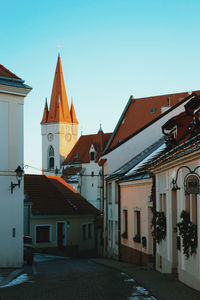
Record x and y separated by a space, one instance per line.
51 158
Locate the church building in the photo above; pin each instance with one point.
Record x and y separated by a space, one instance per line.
59 126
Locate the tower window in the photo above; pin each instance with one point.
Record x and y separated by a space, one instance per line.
92 155
51 158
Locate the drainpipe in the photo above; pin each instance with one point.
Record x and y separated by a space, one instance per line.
119 223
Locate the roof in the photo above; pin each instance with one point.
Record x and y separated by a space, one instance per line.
7 73
137 167
59 108
51 195
73 114
81 150
10 79
140 112
71 174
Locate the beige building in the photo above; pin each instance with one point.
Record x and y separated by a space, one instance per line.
57 217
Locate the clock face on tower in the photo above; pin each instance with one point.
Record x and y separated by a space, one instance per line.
68 137
50 137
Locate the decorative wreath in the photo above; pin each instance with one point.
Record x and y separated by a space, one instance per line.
159 225
188 232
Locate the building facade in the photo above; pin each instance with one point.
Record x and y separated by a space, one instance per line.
13 90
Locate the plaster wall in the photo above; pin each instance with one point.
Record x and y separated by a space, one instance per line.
11 204
188 269
91 185
112 218
135 145
64 138
134 197
73 231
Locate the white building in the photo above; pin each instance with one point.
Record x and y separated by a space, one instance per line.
12 94
82 165
177 189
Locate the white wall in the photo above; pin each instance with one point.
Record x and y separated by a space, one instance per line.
122 154
11 150
90 185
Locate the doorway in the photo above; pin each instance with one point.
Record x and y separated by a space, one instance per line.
61 238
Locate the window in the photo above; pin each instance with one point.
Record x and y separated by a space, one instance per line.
110 192
116 192
76 155
153 110
84 231
89 231
163 203
92 155
92 174
116 232
191 207
43 234
137 226
51 157
125 224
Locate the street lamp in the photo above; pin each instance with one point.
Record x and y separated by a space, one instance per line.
19 172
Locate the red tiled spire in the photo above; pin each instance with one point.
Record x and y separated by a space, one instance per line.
73 114
45 114
59 108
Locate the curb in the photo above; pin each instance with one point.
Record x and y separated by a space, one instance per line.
140 282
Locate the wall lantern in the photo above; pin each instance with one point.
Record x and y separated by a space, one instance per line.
19 172
191 181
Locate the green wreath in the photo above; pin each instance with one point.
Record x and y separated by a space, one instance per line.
188 232
159 226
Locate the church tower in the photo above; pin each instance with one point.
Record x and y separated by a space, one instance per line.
59 125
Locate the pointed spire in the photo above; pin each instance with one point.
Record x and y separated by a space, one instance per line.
73 114
100 129
45 113
59 108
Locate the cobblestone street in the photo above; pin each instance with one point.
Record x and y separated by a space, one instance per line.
66 278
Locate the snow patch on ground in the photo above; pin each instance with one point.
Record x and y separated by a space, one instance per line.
20 279
141 290
129 280
46 257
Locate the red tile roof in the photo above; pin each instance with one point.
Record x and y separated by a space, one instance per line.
68 172
73 114
51 195
6 73
139 112
81 150
59 108
45 114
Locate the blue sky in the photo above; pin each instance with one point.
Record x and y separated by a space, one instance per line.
110 50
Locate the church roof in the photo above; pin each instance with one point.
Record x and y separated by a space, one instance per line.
59 108
138 113
81 150
73 114
51 195
45 114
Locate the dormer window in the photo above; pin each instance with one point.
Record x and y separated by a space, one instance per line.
76 155
92 155
153 110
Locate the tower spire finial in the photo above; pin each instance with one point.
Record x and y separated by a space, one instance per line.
59 47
